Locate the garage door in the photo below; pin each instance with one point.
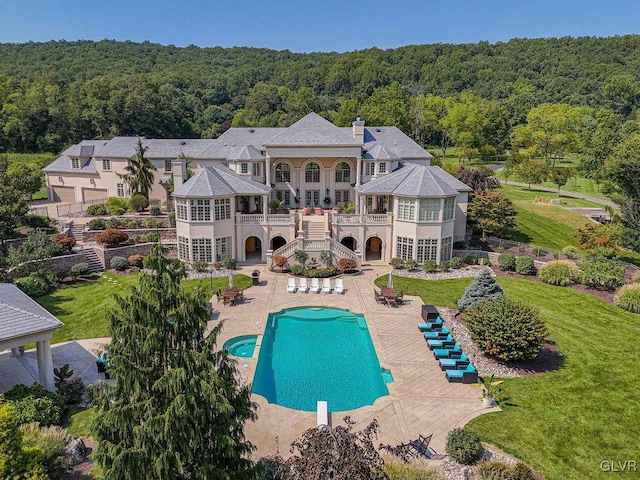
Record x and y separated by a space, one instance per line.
63 194
89 194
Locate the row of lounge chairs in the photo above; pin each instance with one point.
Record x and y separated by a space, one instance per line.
303 287
453 361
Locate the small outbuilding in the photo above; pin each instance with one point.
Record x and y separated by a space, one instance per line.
24 321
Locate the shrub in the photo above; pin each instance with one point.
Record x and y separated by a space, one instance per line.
399 470
79 269
171 218
96 224
301 256
602 274
570 251
33 285
297 269
525 266
199 266
49 443
483 287
347 265
628 297
326 258
150 237
37 221
559 272
397 262
471 260
229 263
430 266
507 262
456 263
119 263
218 265
635 278
130 223
113 223
410 264
444 266
67 243
36 404
506 329
135 260
138 202
464 446
154 202
115 202
71 390
521 472
97 209
494 471
112 236
154 209
134 270
154 223
321 272
279 261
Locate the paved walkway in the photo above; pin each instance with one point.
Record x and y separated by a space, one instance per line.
420 399
566 193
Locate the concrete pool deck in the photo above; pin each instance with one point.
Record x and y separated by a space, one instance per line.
420 400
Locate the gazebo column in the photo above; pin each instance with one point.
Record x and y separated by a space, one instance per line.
265 207
45 365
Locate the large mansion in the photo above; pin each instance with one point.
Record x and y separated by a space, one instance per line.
403 206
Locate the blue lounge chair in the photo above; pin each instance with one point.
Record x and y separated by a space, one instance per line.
443 343
437 334
468 375
453 363
453 351
424 327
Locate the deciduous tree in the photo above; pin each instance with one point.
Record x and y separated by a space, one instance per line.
492 211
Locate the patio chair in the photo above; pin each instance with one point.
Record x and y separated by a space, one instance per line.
379 297
425 327
391 302
315 285
326 285
239 297
441 343
436 334
421 446
400 297
302 285
291 285
468 375
339 286
453 363
450 352
219 295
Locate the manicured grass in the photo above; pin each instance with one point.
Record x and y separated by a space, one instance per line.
565 422
77 421
82 307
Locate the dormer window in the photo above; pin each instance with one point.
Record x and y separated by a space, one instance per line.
106 165
75 163
368 168
244 167
168 167
382 167
257 170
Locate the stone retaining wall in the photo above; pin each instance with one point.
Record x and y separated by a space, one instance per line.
106 254
165 233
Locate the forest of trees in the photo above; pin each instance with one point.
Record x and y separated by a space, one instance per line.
54 94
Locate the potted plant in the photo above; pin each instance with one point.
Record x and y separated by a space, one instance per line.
327 201
490 390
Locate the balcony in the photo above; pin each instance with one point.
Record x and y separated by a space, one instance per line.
363 219
270 219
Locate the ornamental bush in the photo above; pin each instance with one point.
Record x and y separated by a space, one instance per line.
456 263
135 260
506 329
229 263
628 297
507 262
49 442
430 266
635 278
79 269
67 243
199 266
602 274
525 266
483 287
397 262
114 203
410 264
97 209
280 261
297 269
35 404
347 265
494 470
138 202
153 223
171 218
112 236
113 223
464 446
155 209
321 272
33 285
570 251
119 263
559 272
96 224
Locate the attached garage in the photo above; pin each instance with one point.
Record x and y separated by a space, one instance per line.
63 194
89 194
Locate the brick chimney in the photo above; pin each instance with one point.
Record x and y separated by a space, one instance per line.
358 130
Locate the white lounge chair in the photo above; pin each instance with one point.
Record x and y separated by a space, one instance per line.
315 285
291 285
326 285
322 414
339 286
302 285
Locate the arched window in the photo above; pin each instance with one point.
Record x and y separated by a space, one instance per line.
312 173
343 173
283 172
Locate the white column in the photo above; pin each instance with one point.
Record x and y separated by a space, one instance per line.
267 170
265 206
48 366
358 169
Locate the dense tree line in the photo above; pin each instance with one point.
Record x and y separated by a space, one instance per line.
55 93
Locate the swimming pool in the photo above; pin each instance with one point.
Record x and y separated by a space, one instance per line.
241 346
318 353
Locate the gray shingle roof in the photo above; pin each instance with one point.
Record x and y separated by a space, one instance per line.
20 315
413 180
312 129
233 138
218 180
378 152
245 153
63 162
394 141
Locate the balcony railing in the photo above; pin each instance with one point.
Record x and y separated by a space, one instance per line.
271 219
365 219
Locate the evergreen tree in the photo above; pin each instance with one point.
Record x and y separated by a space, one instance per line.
177 410
483 287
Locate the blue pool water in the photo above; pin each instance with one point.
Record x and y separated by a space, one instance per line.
241 346
317 353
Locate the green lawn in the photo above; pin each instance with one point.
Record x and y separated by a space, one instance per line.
82 307
565 422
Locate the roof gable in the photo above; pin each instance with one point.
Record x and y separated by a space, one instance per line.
219 181
312 130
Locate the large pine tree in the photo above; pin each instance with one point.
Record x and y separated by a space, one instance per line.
177 410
